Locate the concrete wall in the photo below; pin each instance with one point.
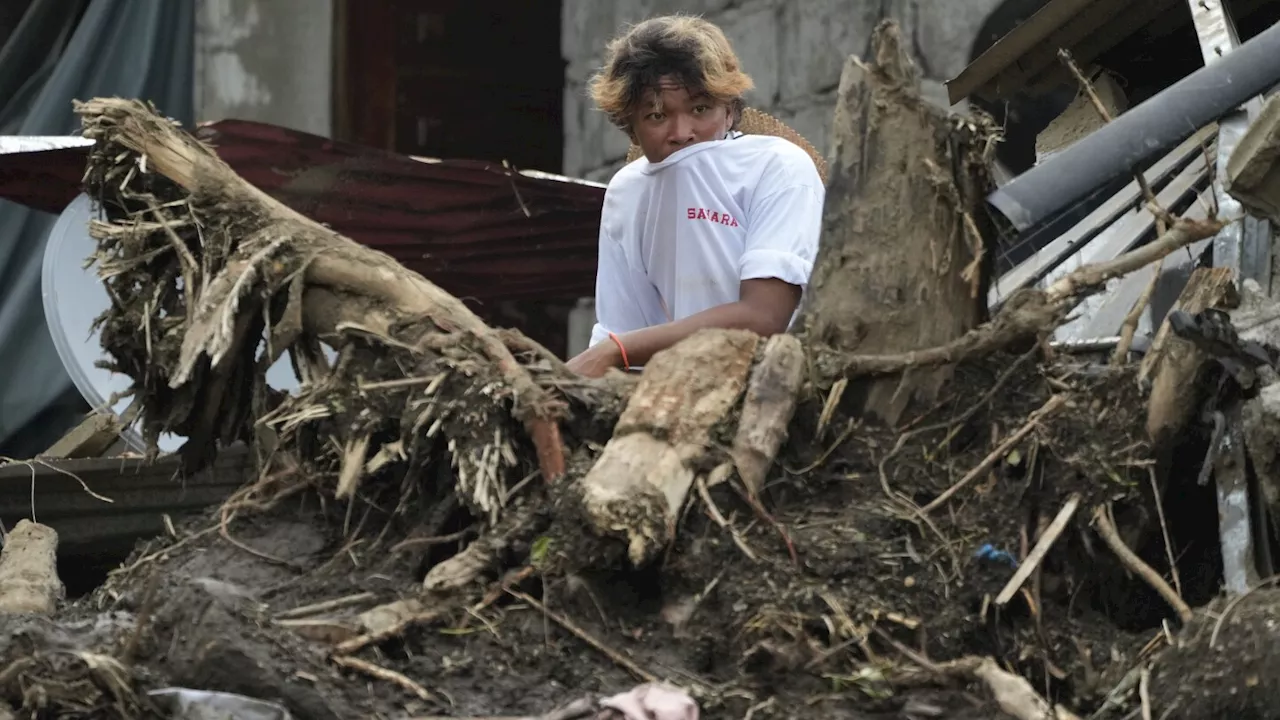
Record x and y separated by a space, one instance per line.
265 60
794 50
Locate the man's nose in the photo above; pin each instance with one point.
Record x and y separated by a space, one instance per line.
681 131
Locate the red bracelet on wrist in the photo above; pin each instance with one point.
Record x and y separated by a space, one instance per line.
626 365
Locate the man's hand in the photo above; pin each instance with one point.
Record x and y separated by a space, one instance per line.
596 360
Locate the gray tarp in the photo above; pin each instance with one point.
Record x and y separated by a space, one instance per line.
64 50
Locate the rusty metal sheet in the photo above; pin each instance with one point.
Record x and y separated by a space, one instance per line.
481 230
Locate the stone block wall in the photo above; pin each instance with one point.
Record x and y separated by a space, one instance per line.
794 50
265 60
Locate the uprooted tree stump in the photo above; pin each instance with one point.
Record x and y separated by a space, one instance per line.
903 264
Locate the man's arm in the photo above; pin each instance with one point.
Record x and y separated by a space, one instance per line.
765 307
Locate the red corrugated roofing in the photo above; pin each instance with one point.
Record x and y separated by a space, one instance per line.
478 229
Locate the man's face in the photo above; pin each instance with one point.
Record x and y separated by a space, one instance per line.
672 118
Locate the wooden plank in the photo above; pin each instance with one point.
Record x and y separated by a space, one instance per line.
1008 49
61 494
94 435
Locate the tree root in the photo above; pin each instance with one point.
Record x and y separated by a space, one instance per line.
1027 314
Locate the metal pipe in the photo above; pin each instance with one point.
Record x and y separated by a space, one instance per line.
1148 129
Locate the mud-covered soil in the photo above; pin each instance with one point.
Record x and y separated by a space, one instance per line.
776 636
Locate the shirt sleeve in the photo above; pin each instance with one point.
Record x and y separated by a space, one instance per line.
619 289
783 229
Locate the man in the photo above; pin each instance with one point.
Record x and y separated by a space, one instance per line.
710 228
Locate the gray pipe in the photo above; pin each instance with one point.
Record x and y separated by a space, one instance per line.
1150 128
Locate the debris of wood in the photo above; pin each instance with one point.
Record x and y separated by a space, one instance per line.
1037 554
429 424
1173 364
1107 531
29 580
891 277
273 258
770 403
94 435
637 488
1253 170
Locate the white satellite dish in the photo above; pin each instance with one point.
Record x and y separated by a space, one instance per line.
74 297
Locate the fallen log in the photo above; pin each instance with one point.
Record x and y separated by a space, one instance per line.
637 488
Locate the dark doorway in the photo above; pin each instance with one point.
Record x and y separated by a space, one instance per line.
452 79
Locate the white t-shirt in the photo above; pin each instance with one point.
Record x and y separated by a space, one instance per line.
677 237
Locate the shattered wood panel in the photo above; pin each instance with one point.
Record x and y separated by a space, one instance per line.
639 483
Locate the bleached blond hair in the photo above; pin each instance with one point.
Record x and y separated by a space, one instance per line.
686 47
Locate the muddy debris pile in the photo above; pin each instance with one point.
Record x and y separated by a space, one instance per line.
445 522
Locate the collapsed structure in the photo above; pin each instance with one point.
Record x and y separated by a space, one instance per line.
904 500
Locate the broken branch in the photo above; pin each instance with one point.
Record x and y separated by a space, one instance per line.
1036 556
1135 564
1051 406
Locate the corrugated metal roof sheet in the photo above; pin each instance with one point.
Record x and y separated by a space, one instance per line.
480 230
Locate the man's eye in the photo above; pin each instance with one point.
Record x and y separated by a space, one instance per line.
654 116
701 109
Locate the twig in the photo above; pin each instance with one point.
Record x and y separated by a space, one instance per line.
1065 56
1144 693
326 606
829 407
145 609
1107 530
845 435
617 657
716 516
360 642
1051 406
1036 556
432 541
1130 326
768 520
955 422
1034 312
164 551
225 518
580 708
381 673
1164 530
1012 693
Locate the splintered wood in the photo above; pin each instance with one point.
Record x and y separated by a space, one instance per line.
1173 363
901 264
767 410
637 487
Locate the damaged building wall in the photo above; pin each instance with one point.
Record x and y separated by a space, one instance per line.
266 60
794 51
